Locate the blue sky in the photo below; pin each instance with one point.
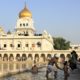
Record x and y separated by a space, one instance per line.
59 17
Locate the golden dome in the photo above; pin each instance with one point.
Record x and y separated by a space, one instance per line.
25 13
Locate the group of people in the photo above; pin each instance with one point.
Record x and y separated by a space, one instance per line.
59 67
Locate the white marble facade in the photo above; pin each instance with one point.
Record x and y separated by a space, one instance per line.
23 44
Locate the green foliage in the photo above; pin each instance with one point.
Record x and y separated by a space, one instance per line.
61 44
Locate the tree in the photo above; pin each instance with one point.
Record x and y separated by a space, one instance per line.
61 43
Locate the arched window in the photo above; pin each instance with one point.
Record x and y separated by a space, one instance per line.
11 45
39 44
5 45
23 24
20 24
19 45
26 45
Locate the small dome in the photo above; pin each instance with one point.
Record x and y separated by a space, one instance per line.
25 13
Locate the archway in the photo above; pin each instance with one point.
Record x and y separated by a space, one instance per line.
48 56
24 58
18 58
11 57
5 57
43 56
36 58
30 56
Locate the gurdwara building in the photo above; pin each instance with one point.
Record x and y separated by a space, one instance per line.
23 44
21 49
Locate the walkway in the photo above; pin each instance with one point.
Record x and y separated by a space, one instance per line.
75 75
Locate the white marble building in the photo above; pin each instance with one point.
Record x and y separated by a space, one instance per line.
23 43
24 39
22 48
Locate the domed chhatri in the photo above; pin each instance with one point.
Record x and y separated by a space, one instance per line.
25 13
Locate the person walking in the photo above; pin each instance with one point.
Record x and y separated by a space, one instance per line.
73 60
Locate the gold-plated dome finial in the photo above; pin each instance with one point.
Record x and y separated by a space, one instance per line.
25 12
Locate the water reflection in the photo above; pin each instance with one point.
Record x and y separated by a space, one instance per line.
27 76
